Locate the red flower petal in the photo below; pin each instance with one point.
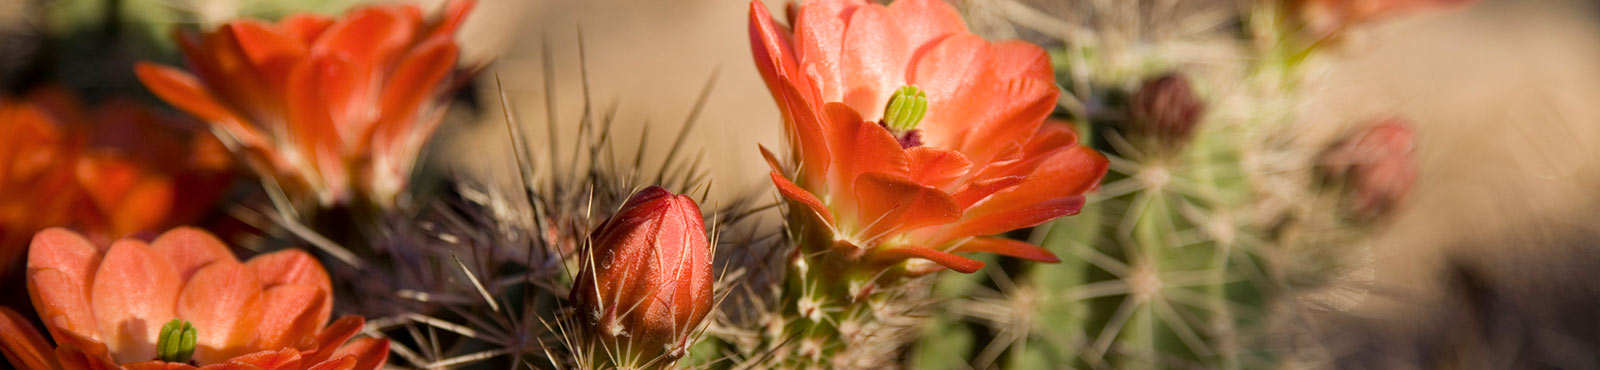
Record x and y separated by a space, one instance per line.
146 206
1020 59
1055 189
291 314
407 111
954 262
370 353
22 345
273 54
185 92
107 179
873 60
455 12
132 296
970 107
925 21
890 204
1007 247
1015 115
290 266
84 354
223 301
282 359
331 337
936 167
773 55
66 252
346 362
979 190
313 87
818 39
62 304
189 249
858 147
801 196
806 133
772 160
304 27
365 41
156 365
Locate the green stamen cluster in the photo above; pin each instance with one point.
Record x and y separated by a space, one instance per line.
906 109
176 343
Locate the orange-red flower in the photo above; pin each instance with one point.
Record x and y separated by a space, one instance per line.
978 160
106 306
110 172
333 109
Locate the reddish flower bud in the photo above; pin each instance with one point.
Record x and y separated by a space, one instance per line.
646 279
1325 18
1375 165
1163 113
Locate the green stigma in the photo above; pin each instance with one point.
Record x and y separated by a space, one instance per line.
906 109
176 343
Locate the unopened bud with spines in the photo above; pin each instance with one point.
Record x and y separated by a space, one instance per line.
645 283
1375 166
1163 114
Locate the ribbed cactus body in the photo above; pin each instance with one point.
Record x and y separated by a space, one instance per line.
1206 243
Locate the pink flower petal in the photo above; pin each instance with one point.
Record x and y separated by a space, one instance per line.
370 353
282 359
21 343
291 314
133 296
223 301
189 249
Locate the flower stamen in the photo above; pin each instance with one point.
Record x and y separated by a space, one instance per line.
176 342
905 111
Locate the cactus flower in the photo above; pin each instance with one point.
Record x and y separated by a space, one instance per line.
884 179
332 109
112 171
645 284
1375 165
183 296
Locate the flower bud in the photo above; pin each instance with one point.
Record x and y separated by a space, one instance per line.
1375 166
1163 113
645 283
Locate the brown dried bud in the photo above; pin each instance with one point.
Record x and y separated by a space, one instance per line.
645 284
1375 165
1163 113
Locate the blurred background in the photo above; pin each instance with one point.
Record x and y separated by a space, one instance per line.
1494 261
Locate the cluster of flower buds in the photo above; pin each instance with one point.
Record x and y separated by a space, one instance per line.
112 171
105 308
1375 166
335 110
1163 114
645 284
